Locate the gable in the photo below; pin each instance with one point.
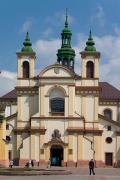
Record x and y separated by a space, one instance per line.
56 70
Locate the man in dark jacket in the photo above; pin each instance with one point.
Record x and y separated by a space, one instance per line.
91 166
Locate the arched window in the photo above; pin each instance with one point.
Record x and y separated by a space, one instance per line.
90 69
57 102
26 69
108 113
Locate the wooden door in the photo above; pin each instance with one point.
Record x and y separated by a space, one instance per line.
109 159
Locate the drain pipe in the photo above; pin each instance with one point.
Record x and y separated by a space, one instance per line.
84 129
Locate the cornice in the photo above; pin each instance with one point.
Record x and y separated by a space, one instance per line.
57 117
24 54
26 90
29 130
87 90
84 131
103 101
84 54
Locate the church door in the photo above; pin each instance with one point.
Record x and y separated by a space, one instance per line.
56 155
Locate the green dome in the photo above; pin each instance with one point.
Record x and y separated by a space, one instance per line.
90 43
27 44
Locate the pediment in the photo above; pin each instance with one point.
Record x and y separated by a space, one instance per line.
56 70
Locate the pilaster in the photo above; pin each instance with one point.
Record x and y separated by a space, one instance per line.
32 146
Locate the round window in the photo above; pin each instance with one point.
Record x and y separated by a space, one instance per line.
109 140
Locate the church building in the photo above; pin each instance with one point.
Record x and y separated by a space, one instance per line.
59 115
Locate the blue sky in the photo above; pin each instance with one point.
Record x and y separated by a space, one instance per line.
45 19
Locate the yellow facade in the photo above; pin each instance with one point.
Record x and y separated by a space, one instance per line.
3 144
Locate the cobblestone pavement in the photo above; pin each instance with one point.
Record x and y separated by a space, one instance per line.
77 174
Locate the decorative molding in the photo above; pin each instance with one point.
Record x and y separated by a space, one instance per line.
87 88
83 78
24 54
29 130
26 90
95 54
31 78
56 139
84 131
109 102
52 77
60 117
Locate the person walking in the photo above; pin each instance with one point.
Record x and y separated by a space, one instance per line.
49 163
11 164
29 162
91 167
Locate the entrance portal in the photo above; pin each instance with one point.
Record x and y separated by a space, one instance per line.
56 155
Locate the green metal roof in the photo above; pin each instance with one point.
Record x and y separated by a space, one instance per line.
27 44
90 43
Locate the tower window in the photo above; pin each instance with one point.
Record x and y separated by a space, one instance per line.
26 69
108 113
90 69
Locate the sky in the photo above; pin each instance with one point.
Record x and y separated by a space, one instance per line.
44 20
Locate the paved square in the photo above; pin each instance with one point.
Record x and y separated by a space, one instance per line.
77 174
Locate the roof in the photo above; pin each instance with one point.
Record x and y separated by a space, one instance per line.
10 95
109 92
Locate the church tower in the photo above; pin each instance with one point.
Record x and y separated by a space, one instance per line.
26 60
66 54
90 61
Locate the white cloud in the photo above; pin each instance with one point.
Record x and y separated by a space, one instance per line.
7 81
27 25
99 16
46 51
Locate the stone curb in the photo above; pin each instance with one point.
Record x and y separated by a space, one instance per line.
36 173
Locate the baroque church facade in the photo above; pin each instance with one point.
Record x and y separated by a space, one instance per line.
58 114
